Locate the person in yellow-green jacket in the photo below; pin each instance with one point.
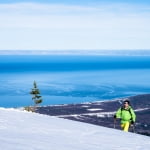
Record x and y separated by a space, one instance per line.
127 115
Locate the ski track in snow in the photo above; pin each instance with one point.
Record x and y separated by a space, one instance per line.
29 131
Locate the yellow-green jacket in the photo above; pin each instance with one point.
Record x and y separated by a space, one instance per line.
126 115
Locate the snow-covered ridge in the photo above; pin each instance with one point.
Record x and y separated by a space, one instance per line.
21 130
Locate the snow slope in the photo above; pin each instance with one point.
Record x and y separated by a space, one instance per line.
21 130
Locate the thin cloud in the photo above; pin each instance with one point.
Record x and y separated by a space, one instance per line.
38 8
48 15
74 26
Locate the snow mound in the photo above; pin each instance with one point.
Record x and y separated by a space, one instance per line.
21 130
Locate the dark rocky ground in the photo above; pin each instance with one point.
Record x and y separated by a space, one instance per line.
101 113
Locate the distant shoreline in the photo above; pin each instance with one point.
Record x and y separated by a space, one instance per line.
77 52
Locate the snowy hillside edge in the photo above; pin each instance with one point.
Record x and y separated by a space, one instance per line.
20 130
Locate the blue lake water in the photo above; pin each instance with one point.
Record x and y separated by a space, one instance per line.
71 79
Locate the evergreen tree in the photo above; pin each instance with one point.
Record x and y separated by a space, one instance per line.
37 99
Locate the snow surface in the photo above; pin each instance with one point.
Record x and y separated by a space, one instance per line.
99 114
94 109
20 130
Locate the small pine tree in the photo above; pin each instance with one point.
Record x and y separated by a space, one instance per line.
37 99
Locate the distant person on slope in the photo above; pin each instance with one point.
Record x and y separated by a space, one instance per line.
127 115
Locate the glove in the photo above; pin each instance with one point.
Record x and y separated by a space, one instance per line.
132 122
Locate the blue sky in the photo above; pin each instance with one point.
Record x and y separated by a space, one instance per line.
75 1
80 24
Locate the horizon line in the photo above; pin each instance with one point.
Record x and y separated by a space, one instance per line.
127 52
